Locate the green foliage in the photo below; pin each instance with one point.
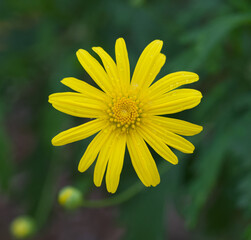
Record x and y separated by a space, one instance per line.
211 189
144 215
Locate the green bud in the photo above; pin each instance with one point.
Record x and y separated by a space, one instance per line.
70 197
22 227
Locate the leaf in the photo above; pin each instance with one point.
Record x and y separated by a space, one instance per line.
209 166
6 166
205 40
143 215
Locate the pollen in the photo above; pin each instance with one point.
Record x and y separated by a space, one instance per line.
125 112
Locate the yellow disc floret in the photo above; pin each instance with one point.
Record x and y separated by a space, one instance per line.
124 112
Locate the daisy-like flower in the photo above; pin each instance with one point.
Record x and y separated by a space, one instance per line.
127 113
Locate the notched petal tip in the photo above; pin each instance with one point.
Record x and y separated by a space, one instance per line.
191 150
111 189
50 98
157 182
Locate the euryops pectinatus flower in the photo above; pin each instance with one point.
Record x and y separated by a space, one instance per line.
127 113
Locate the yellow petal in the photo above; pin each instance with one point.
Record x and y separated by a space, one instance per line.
142 160
175 101
103 157
95 70
93 150
158 145
154 70
171 81
123 65
170 138
83 87
109 65
115 163
78 133
76 104
145 64
142 173
177 126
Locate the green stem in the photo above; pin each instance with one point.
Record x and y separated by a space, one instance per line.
124 196
46 199
120 198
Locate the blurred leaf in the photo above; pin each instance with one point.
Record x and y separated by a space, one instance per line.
205 39
208 169
209 166
6 165
144 214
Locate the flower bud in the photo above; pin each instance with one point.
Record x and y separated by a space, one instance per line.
70 197
22 227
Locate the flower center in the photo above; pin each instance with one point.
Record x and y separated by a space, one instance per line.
125 112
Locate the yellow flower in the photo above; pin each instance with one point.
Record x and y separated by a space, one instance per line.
127 113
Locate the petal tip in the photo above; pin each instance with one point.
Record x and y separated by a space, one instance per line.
54 142
111 190
174 161
97 183
80 52
159 42
50 98
80 168
196 76
192 150
157 182
65 80
200 129
120 39
95 49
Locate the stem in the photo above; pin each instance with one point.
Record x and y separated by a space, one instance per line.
45 203
124 196
120 198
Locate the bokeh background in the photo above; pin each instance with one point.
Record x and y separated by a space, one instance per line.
206 196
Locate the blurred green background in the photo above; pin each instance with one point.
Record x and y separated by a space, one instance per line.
206 196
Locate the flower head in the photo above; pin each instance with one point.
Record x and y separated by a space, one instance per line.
70 197
22 227
127 113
